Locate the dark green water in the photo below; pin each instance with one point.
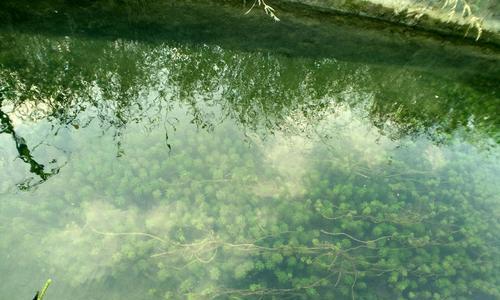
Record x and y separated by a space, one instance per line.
178 165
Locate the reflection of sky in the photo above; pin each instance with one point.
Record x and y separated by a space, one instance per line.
82 246
298 113
266 124
128 82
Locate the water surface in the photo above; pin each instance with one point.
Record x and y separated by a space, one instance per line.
169 169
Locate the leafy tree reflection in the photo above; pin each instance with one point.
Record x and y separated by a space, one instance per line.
73 82
24 151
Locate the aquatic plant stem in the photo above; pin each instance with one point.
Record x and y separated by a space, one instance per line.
44 289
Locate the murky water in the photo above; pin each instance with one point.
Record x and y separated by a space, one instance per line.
187 170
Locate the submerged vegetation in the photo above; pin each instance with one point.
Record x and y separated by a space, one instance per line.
176 166
218 217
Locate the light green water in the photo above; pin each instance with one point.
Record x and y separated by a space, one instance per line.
181 170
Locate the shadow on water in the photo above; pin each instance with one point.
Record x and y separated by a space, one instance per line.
347 38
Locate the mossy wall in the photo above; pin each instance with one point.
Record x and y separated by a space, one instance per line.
416 14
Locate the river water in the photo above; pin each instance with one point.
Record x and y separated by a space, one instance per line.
184 166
